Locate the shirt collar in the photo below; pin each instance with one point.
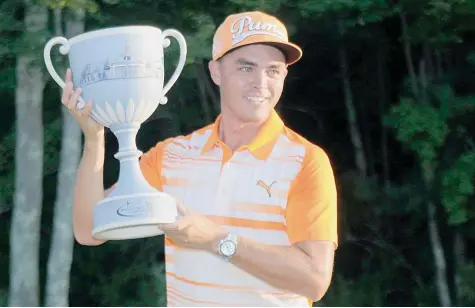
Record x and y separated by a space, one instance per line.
261 146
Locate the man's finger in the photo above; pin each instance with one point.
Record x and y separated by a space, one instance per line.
87 109
69 75
178 225
74 98
174 226
182 210
67 91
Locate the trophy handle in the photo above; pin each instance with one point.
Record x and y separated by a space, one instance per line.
181 62
64 49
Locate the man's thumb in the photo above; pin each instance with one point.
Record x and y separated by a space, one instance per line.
182 210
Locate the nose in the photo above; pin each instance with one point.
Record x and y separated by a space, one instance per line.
260 79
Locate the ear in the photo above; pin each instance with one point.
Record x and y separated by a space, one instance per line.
214 72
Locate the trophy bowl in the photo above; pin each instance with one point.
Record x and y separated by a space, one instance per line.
121 69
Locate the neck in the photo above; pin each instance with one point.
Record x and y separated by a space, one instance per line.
235 132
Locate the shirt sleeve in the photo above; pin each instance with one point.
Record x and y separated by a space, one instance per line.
151 165
311 212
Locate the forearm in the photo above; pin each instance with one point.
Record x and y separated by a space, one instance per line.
284 267
88 191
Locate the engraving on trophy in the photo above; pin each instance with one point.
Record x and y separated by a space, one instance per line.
126 66
135 210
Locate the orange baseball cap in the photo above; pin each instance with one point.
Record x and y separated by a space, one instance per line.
251 28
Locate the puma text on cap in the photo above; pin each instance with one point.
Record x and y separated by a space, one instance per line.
247 28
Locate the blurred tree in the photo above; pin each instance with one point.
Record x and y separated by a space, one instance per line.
25 227
62 241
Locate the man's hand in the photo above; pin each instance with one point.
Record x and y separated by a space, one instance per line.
92 130
304 268
193 230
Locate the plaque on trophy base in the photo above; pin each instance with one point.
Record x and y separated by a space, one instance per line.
121 70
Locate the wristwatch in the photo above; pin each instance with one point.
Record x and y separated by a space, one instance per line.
227 247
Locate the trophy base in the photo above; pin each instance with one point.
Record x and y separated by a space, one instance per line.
133 216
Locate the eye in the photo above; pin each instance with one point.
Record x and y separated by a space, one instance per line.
246 69
274 72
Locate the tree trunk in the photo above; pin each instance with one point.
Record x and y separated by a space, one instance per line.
355 135
439 258
26 220
408 54
62 242
438 252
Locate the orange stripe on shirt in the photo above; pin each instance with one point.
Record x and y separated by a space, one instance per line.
173 156
220 286
174 294
168 167
260 208
170 243
175 181
248 223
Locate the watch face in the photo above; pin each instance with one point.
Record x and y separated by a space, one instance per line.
228 248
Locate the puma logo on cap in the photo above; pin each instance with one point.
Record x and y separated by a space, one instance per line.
245 26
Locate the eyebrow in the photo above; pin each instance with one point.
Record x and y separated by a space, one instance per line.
242 61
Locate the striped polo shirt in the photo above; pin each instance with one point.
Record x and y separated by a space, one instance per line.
278 190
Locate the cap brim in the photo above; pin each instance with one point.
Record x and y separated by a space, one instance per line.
292 52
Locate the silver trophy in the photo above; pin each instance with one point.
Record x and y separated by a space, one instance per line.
121 70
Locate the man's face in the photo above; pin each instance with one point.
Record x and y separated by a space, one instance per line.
251 80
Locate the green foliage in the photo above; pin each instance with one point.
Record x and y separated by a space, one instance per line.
450 105
438 22
151 290
424 128
3 298
419 126
9 27
119 273
200 39
262 5
354 13
91 6
7 78
366 292
52 146
467 283
380 287
7 180
52 143
457 186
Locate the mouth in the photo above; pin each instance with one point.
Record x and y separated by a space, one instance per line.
256 99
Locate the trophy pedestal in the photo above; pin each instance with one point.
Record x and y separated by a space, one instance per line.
133 216
134 208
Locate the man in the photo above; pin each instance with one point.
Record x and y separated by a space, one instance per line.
258 224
